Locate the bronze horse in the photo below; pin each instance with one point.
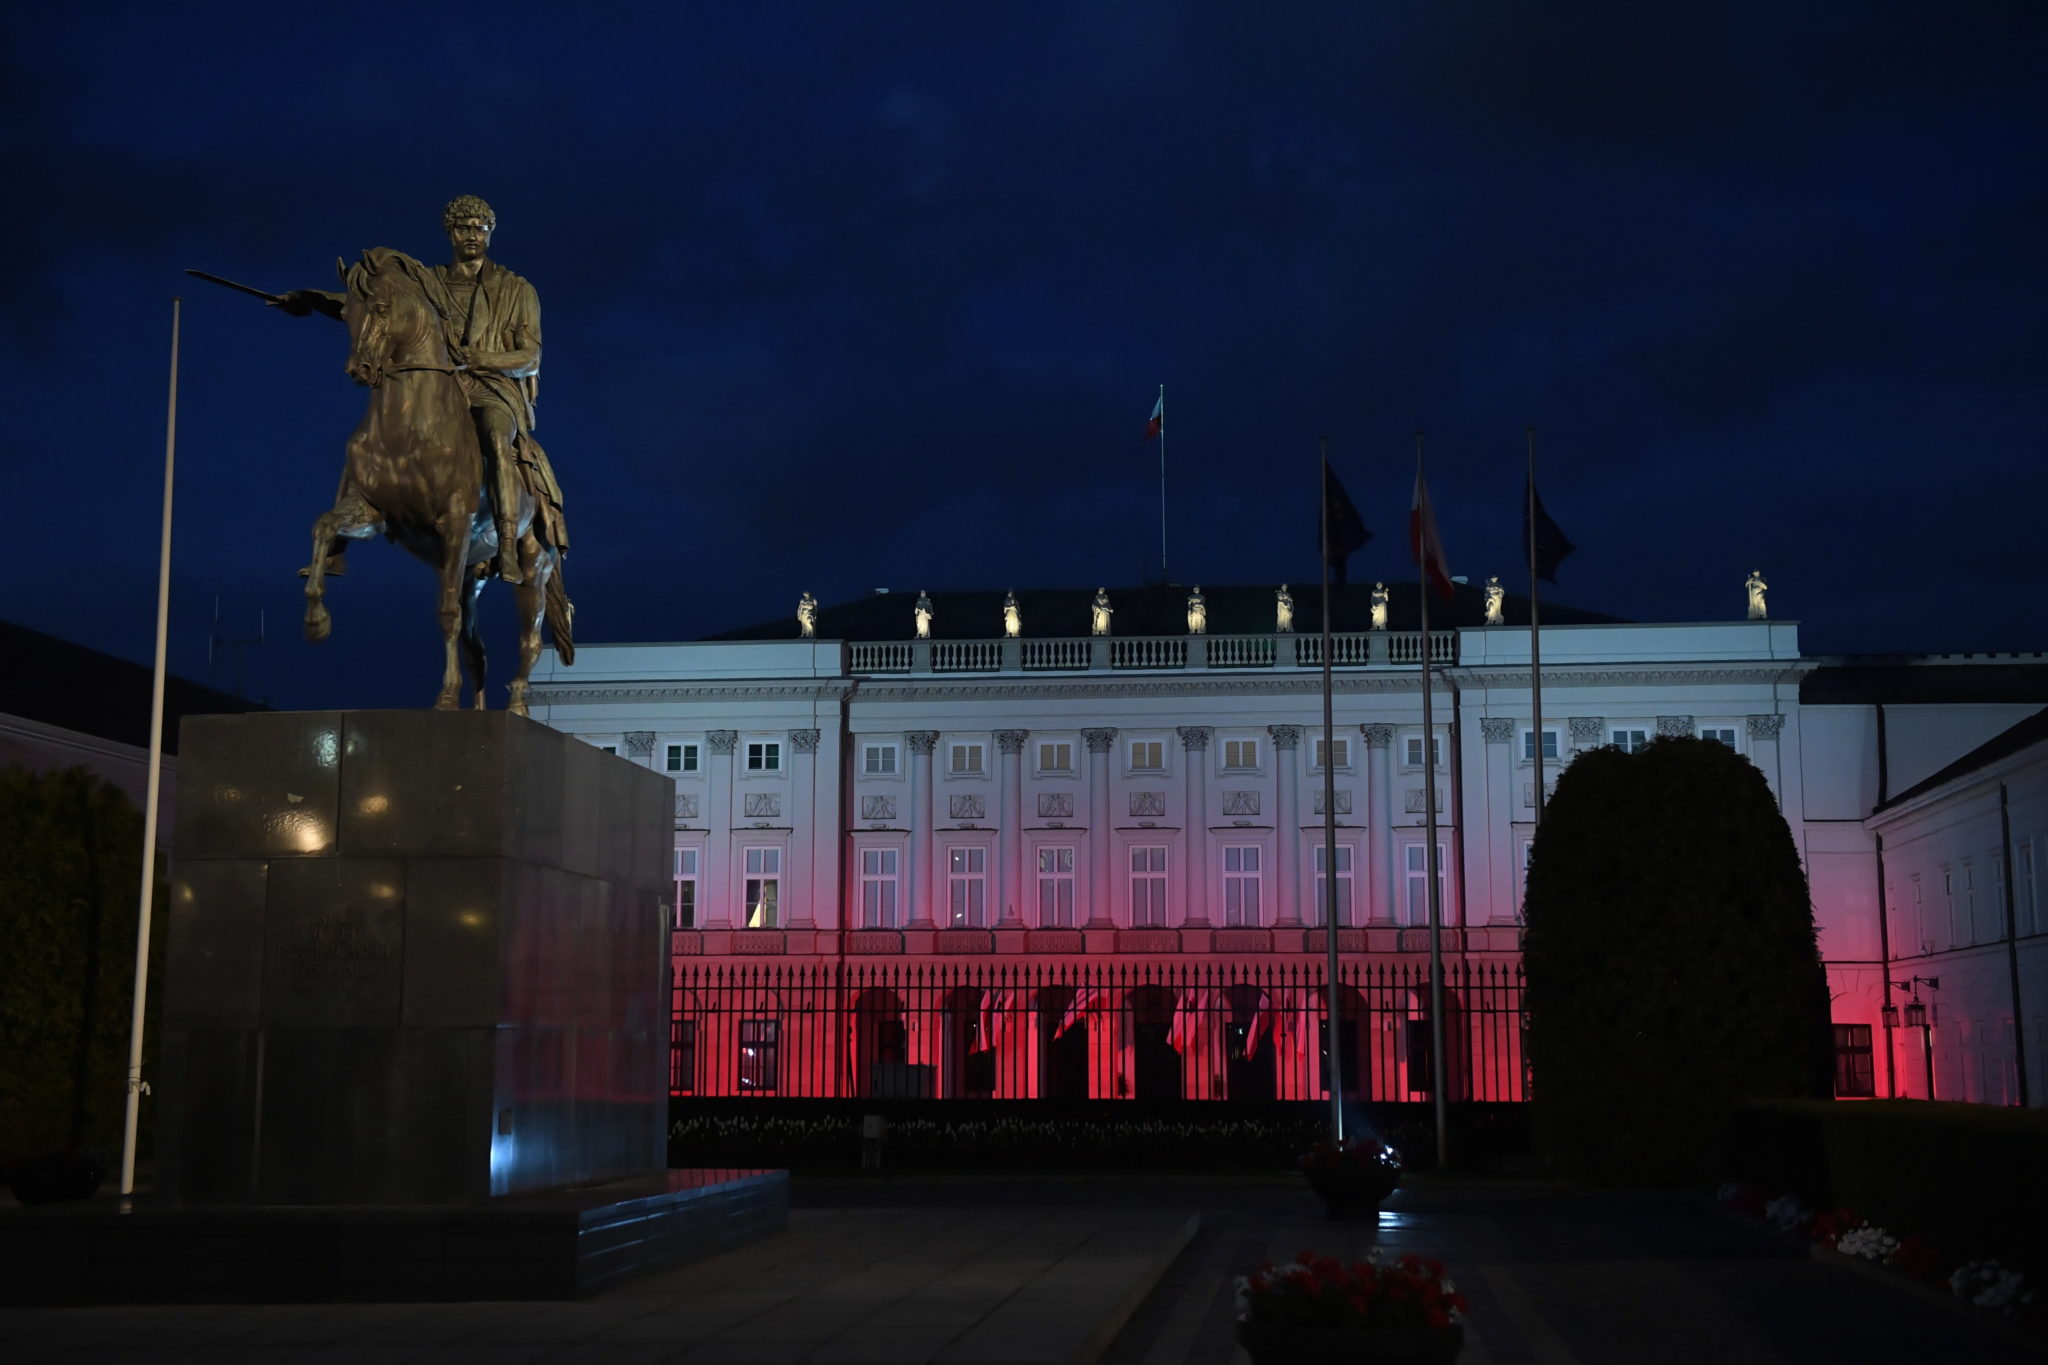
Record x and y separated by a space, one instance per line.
415 472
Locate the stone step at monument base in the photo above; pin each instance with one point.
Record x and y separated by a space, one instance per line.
559 1244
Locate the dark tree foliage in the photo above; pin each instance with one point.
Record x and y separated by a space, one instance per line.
1672 963
70 867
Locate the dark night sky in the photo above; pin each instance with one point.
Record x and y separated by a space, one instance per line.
839 297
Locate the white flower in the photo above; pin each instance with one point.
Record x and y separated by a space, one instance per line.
1871 1243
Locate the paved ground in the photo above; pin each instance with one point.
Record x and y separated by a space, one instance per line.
1057 1271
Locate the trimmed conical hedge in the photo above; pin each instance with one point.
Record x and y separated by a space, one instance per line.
1671 962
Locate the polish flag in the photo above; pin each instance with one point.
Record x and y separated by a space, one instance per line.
1157 422
1423 541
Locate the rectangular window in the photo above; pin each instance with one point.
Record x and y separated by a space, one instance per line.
1148 755
878 760
1992 929
1056 758
1414 750
1529 745
1148 886
967 888
1955 882
686 888
1855 1069
1241 885
682 1056
764 758
1417 865
760 1055
1055 888
1920 924
1241 753
1341 748
878 888
966 758
1629 741
681 758
609 748
1720 734
2026 903
764 886
1320 914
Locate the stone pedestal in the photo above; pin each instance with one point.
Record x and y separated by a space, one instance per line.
414 958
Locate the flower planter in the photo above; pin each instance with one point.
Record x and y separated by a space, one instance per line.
1270 1343
1351 1195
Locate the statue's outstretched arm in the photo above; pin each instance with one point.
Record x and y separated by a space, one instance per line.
300 302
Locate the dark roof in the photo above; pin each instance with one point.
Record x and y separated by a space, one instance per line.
74 688
2033 730
1928 678
1150 610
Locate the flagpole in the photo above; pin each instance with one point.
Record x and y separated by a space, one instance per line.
1436 955
1535 631
149 805
1331 1010
1162 484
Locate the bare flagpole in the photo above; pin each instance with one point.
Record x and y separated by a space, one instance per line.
1330 1009
1162 484
1535 631
149 806
1436 954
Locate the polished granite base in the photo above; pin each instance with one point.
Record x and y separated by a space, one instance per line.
563 1244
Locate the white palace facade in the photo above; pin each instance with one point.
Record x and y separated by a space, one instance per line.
934 865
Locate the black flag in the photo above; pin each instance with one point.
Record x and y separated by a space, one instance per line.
1343 530
1551 545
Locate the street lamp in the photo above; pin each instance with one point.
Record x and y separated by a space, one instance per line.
1916 1017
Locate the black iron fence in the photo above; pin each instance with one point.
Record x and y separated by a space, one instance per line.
1176 1031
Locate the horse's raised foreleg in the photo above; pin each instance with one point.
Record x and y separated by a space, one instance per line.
349 519
453 527
536 566
472 637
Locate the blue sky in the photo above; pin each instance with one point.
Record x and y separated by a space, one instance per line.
845 297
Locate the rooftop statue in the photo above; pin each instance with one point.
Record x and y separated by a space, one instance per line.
1379 606
1283 611
1198 612
1098 613
444 461
1495 595
1757 588
807 617
923 612
1013 619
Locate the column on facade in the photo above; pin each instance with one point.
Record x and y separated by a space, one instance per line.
1287 819
1379 802
1100 742
1194 743
921 744
1008 887
800 878
719 882
1501 811
1763 751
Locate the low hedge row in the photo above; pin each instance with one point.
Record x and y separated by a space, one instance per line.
1968 1177
825 1136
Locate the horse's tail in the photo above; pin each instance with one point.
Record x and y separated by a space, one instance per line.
560 613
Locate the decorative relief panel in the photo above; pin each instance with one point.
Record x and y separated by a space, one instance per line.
1054 941
639 743
1055 805
974 807
1243 941
1587 731
1765 727
1529 792
759 941
1148 803
878 808
686 806
1148 940
1674 725
1497 729
964 941
1413 803
1343 804
763 805
874 941
1241 803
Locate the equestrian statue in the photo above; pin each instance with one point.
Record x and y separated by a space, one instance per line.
444 461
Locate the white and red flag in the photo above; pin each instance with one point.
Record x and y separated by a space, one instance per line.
1156 423
1423 541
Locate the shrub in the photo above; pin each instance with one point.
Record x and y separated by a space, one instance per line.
1671 960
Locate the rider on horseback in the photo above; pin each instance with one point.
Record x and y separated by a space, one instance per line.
493 328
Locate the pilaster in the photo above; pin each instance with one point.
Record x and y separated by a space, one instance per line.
1100 743
1287 826
1194 743
1379 801
916 870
